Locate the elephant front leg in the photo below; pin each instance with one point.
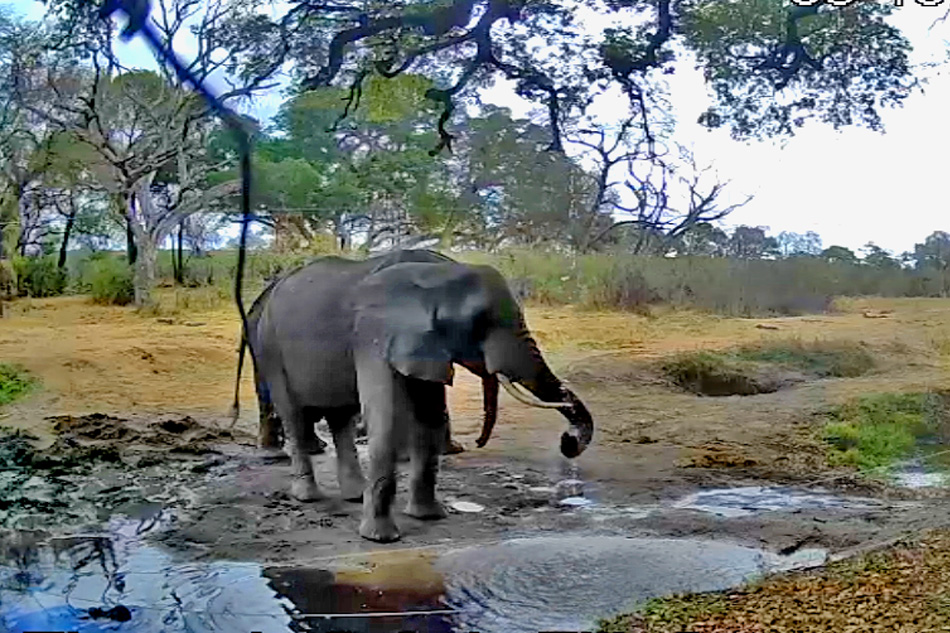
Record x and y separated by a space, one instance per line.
429 433
349 474
383 402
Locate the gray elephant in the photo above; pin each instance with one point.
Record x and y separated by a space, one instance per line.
337 339
269 432
270 428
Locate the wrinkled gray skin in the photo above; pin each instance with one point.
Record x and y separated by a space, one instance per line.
338 273
401 328
270 434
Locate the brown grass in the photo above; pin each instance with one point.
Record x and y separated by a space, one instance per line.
181 358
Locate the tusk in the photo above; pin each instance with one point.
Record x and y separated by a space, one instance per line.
529 399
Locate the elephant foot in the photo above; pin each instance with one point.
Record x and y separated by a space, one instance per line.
304 488
351 489
453 448
270 454
426 511
381 530
315 446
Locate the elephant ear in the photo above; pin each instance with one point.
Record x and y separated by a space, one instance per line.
398 313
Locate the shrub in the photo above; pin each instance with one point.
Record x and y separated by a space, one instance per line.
109 281
824 359
14 382
39 276
872 432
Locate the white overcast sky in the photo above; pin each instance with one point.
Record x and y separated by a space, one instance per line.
852 187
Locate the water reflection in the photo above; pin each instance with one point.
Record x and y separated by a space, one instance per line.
113 581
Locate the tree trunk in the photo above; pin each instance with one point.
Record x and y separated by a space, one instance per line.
144 275
70 220
146 242
131 250
180 269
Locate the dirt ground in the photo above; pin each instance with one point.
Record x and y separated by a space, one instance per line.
111 368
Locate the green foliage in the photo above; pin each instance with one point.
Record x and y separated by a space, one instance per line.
746 369
398 99
851 63
39 276
716 374
824 359
872 432
109 281
14 383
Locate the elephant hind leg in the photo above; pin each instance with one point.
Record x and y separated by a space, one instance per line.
349 474
304 486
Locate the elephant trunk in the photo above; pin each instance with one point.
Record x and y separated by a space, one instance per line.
549 389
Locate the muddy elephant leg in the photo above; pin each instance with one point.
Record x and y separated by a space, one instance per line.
385 410
428 434
348 472
270 431
304 486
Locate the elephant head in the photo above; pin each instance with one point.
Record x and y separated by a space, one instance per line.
422 318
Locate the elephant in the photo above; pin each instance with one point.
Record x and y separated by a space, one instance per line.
385 343
270 428
270 432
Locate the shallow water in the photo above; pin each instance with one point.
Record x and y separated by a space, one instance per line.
528 584
568 582
738 502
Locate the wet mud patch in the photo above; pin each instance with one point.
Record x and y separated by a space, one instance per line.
97 465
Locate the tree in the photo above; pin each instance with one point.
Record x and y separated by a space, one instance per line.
771 66
148 130
703 239
934 256
670 194
877 257
934 252
751 242
796 245
836 254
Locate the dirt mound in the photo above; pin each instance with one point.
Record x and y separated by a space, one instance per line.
95 426
718 455
184 435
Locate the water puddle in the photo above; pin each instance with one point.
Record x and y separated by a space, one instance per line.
567 582
738 502
113 581
930 468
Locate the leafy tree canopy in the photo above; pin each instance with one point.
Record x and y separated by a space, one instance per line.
772 65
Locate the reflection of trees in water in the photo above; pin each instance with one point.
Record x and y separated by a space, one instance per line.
20 553
89 556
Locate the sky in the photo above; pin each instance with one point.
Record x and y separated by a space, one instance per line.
851 187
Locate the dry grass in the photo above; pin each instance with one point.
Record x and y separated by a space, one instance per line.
181 358
901 589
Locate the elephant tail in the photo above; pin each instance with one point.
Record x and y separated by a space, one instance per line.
236 406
